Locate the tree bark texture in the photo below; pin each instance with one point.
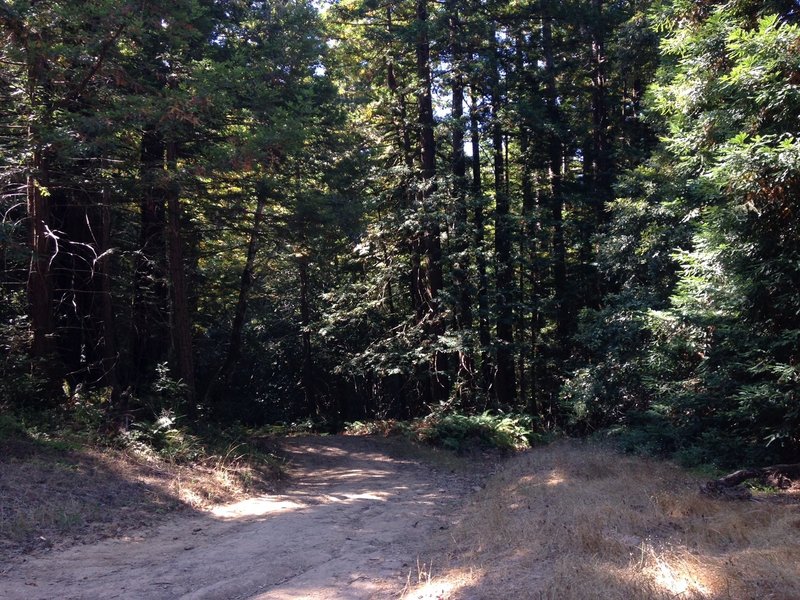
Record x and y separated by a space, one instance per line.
181 321
484 336
555 174
431 233
504 382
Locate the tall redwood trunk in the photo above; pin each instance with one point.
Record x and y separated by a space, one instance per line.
461 258
413 279
504 382
150 308
110 355
601 179
431 235
180 318
527 313
416 284
555 174
484 337
39 286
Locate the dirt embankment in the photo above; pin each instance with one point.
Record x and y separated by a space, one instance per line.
351 524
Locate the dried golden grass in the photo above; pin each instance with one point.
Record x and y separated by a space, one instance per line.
575 521
52 498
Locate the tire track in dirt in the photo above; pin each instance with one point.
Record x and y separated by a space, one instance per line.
350 525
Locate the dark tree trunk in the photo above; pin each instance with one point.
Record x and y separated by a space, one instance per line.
39 286
598 163
504 382
150 306
461 260
416 287
233 352
413 279
730 486
110 353
528 309
431 238
603 163
307 368
555 167
180 318
484 337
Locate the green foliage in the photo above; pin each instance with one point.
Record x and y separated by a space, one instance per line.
712 364
166 437
10 427
610 385
461 432
377 427
456 431
655 291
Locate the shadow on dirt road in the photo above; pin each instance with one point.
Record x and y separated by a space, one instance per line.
350 525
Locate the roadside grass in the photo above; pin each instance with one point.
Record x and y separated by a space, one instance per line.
58 488
577 520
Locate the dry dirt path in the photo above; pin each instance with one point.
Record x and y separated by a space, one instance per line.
352 524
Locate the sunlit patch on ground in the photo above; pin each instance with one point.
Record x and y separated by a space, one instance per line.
376 496
440 588
553 478
576 521
255 507
679 578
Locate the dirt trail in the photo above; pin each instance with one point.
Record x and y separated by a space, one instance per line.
350 525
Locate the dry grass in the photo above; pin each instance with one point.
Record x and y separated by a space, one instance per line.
579 521
52 498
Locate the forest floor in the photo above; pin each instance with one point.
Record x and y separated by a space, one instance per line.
366 517
352 521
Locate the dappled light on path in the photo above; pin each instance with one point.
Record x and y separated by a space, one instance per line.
350 524
254 507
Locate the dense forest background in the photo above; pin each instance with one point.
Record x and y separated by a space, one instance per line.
584 212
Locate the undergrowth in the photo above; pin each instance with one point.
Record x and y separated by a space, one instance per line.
458 432
64 482
650 434
166 437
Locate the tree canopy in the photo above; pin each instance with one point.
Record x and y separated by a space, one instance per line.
582 211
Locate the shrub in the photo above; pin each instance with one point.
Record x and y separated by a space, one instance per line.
459 432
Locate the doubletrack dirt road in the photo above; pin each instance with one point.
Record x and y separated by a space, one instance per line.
352 524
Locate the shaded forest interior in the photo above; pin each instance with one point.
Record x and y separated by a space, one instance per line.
584 212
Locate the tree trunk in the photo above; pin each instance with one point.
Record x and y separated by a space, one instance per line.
110 354
484 337
504 382
307 369
233 352
150 316
461 259
181 322
598 170
527 321
779 476
415 277
431 235
39 286
555 167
